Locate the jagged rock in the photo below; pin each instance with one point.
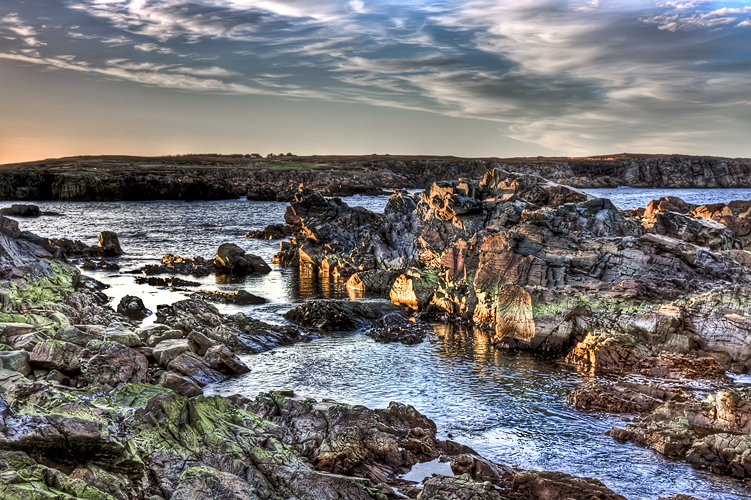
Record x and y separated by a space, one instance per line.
668 203
535 485
90 265
107 482
201 343
196 369
133 308
713 433
16 360
408 333
181 384
57 355
376 281
225 361
240 297
452 488
112 363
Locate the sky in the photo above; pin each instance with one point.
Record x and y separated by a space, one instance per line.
472 78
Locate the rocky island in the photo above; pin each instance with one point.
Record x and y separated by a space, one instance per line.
96 405
214 177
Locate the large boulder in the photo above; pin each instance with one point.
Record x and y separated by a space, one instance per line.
181 384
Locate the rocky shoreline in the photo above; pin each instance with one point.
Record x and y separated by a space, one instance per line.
661 293
94 406
214 177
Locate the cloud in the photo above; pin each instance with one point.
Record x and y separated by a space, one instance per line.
152 47
569 73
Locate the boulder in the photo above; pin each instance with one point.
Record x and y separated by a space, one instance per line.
181 384
74 335
57 355
112 363
196 369
225 361
167 350
16 360
232 259
133 308
109 242
117 332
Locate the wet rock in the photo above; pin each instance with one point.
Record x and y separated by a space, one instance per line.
541 485
165 282
271 232
181 384
339 315
20 210
240 297
112 363
16 360
167 350
231 259
376 281
201 343
133 308
196 369
225 361
57 355
174 264
621 397
91 265
238 332
408 333
109 242
414 290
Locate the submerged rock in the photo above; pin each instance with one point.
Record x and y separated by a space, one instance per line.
271 232
341 315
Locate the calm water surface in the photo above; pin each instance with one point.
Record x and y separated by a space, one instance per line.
510 408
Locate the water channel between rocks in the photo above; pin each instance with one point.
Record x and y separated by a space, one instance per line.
510 408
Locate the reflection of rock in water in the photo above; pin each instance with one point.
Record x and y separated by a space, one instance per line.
313 285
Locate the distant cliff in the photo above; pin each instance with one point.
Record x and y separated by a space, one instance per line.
221 177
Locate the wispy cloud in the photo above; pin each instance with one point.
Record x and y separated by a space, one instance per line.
568 74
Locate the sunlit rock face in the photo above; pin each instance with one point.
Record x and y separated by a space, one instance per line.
547 267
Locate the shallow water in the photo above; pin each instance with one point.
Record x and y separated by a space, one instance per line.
510 408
